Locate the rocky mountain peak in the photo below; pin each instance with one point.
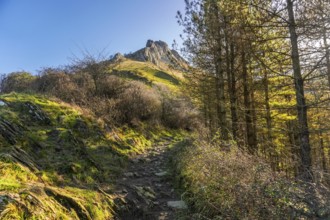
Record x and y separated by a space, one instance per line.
118 57
160 44
159 54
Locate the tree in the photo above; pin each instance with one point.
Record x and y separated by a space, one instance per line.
254 60
305 149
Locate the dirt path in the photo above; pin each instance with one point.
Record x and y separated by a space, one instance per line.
145 190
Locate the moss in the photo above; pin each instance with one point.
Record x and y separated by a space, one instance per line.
57 112
9 184
13 176
98 205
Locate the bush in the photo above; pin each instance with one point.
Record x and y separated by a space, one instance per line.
83 80
104 108
57 83
223 183
50 80
178 112
111 86
138 102
18 82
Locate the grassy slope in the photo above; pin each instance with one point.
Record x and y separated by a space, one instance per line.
147 72
54 157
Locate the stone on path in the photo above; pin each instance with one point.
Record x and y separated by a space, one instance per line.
146 192
177 204
160 174
2 103
129 174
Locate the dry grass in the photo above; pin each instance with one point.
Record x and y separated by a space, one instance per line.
231 184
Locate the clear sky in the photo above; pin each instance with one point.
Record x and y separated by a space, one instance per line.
46 33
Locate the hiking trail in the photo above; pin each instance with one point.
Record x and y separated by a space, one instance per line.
145 190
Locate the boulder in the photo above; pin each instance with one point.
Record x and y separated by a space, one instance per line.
2 103
9 131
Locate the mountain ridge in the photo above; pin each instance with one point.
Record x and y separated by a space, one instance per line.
158 53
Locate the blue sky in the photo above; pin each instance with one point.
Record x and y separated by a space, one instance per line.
46 33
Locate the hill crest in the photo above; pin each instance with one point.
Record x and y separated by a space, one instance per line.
158 53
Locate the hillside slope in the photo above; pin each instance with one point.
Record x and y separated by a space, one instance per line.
57 161
47 162
155 64
66 136
146 72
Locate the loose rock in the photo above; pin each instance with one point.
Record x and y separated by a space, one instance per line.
177 204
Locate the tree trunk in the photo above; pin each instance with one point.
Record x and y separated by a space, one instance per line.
305 149
268 114
269 142
231 80
323 159
247 107
294 142
221 108
220 82
254 117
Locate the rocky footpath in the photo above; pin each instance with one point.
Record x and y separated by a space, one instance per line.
146 191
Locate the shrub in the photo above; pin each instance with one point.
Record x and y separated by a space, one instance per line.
18 82
108 96
83 80
60 84
138 102
104 108
231 184
111 86
178 112
51 80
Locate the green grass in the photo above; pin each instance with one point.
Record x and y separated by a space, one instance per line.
9 184
13 176
54 110
147 72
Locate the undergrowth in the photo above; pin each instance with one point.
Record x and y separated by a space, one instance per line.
226 183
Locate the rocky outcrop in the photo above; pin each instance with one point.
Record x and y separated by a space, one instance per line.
37 114
159 54
118 57
9 131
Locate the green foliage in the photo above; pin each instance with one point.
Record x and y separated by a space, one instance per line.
17 81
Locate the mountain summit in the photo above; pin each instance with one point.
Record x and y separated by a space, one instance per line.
159 54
